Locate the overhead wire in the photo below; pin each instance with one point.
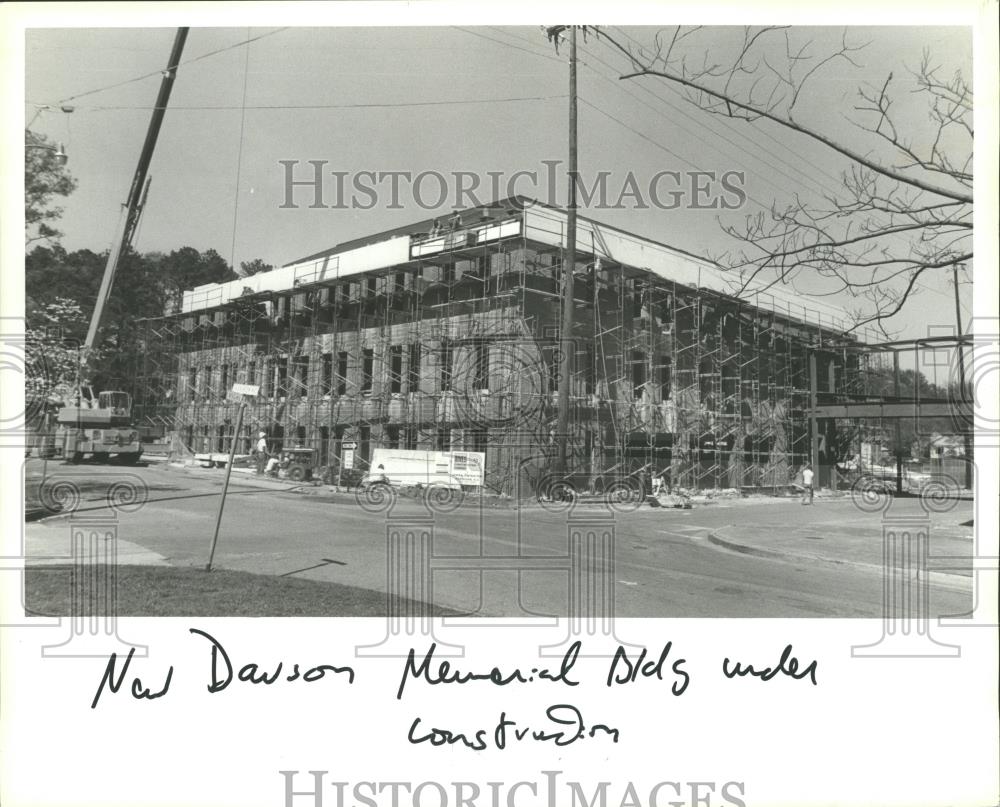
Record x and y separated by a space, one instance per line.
763 205
509 44
239 157
376 105
740 132
637 132
816 183
659 111
761 175
819 170
192 60
823 188
746 135
657 144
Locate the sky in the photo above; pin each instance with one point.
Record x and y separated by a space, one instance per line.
442 99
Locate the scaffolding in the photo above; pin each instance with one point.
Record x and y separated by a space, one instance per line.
458 348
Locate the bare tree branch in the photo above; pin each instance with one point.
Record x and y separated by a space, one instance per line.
904 202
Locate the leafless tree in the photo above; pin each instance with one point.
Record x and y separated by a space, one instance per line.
903 206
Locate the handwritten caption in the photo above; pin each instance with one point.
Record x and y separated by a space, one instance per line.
564 722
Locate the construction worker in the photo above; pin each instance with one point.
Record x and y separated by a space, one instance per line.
661 482
807 484
260 452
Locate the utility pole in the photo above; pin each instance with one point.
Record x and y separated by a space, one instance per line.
958 326
896 389
966 436
569 264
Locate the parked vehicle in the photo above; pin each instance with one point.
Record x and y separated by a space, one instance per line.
102 428
298 463
453 470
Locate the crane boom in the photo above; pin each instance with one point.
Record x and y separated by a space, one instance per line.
133 204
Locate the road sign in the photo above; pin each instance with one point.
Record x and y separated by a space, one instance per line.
349 445
238 389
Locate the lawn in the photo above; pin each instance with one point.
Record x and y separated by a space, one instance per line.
176 591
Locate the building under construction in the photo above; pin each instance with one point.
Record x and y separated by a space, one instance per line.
447 337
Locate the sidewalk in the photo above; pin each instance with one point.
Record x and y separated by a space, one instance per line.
50 544
827 534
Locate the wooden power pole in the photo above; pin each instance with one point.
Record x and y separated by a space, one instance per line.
967 441
568 265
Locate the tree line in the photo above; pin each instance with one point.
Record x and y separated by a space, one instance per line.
61 287
60 293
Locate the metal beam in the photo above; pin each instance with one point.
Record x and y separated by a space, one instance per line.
136 195
813 425
888 410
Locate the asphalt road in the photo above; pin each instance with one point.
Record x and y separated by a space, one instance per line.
664 564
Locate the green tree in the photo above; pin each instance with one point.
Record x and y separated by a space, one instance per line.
145 286
51 273
45 177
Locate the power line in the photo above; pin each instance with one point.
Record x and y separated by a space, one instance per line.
821 187
660 146
679 110
837 182
693 134
223 107
617 120
509 44
739 132
536 48
732 130
773 139
684 113
160 72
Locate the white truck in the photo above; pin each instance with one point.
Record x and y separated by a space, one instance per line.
429 469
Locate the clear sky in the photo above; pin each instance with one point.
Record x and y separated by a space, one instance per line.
370 99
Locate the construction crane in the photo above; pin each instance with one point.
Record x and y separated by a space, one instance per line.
102 425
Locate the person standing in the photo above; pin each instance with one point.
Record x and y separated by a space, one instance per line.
260 452
657 484
807 484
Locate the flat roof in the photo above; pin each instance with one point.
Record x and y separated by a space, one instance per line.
539 223
420 227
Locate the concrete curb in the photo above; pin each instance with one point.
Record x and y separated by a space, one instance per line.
957 582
